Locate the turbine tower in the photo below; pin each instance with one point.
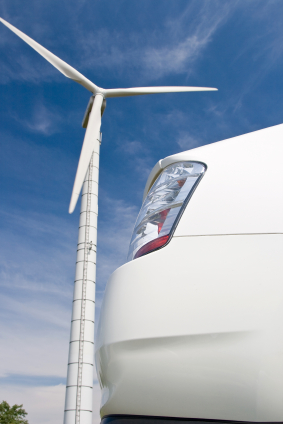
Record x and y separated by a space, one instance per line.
78 403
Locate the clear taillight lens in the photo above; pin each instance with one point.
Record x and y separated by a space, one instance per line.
163 207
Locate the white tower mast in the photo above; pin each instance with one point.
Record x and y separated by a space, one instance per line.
79 389
78 405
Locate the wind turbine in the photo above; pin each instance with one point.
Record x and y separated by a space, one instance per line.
78 404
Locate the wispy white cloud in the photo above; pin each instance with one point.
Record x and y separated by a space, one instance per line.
138 156
37 265
36 165
150 55
33 351
262 52
131 147
42 245
179 56
36 295
25 67
114 235
42 121
20 62
170 49
167 51
187 142
36 300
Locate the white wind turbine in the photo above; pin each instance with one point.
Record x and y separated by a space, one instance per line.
78 405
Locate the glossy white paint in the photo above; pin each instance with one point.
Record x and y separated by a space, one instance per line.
195 329
242 188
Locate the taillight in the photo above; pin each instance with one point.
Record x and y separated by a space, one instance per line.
163 207
151 245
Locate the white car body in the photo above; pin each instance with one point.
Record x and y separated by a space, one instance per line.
195 329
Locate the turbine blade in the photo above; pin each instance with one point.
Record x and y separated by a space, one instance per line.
62 66
137 91
91 137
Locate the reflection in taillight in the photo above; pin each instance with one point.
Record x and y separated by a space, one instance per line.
162 218
162 206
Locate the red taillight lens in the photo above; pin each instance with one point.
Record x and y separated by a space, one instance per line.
152 245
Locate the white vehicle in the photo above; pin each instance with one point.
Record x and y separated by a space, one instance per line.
191 327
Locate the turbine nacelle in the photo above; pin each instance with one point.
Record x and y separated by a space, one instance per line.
96 106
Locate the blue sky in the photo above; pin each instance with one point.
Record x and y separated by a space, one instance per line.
234 46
